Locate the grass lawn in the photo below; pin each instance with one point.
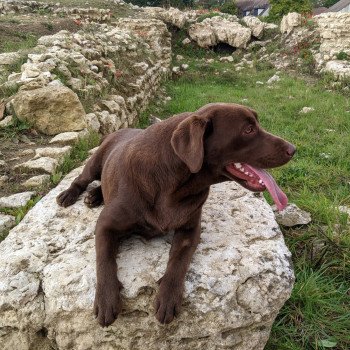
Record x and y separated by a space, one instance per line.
317 316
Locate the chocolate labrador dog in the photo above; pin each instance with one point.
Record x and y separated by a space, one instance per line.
157 180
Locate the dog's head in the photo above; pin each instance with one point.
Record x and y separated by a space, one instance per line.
228 139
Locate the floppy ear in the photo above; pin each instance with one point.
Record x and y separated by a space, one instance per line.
187 142
255 113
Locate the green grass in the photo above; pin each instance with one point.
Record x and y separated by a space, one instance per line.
317 316
17 127
78 153
19 213
24 41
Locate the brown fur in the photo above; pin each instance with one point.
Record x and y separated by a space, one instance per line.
157 180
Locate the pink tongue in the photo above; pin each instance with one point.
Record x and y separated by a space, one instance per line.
277 194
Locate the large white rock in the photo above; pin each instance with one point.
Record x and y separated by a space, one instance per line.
171 15
50 109
217 29
65 138
8 58
292 216
52 152
16 200
290 21
36 181
255 25
239 278
340 69
6 222
42 164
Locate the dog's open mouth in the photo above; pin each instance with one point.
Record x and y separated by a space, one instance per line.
257 180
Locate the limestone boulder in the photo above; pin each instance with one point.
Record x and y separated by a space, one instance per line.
217 29
340 69
255 25
6 222
8 58
292 216
171 15
290 21
16 200
51 109
41 164
239 278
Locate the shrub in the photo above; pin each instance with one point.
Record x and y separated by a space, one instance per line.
343 56
279 8
229 7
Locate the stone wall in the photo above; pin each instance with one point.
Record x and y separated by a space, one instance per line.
334 31
27 7
118 67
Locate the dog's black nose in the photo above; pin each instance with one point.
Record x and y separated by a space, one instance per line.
291 150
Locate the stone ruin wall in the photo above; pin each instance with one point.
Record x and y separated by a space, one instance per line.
120 65
26 7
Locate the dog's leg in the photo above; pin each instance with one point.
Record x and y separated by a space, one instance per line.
94 197
112 224
169 299
91 172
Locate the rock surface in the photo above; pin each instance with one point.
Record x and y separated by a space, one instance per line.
8 58
214 30
52 152
255 25
36 181
42 164
16 200
292 216
238 280
52 109
65 138
340 69
306 110
334 33
290 21
6 222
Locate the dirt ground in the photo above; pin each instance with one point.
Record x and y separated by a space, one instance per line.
22 31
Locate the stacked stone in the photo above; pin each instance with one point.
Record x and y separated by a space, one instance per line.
26 7
129 60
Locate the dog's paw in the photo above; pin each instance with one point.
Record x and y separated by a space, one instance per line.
67 197
108 304
94 197
168 304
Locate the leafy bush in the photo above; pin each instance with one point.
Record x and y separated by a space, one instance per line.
229 7
201 18
343 56
279 8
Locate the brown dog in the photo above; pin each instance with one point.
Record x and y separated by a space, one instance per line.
157 180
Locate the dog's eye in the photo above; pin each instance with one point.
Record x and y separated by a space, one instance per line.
249 129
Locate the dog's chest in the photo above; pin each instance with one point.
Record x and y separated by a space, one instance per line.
168 214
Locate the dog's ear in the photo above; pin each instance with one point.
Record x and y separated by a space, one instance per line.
187 142
255 113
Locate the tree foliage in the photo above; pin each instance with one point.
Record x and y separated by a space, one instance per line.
229 7
279 8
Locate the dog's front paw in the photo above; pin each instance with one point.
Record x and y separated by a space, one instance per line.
68 197
94 197
107 303
168 303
